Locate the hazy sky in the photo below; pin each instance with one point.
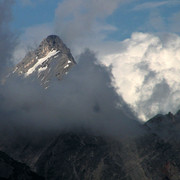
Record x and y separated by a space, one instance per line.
140 39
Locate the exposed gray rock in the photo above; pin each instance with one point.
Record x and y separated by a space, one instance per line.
51 60
165 126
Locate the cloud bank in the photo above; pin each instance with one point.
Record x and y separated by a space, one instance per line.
84 99
146 71
78 18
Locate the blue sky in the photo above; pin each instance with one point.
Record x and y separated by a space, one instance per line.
134 16
30 14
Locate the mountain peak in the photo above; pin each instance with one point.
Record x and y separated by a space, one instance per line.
52 42
52 59
53 38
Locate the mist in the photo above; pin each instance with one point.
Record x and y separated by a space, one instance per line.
85 99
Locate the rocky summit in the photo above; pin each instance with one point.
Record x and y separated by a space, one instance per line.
51 60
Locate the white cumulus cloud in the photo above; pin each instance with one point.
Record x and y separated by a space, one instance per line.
146 71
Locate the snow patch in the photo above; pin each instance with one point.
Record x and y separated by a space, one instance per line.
15 69
66 66
40 61
42 69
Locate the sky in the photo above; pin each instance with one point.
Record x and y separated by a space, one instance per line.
138 39
126 17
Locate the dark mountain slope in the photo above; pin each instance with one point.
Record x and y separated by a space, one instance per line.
13 170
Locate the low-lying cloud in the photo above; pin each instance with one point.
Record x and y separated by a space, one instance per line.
83 99
145 66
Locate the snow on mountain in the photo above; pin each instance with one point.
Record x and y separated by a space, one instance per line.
52 59
40 62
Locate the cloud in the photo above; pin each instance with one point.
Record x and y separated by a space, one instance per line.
81 21
159 22
156 22
174 22
146 71
30 39
7 38
26 2
152 5
83 99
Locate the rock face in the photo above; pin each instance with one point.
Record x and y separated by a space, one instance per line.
166 126
13 170
159 148
85 156
81 156
51 60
